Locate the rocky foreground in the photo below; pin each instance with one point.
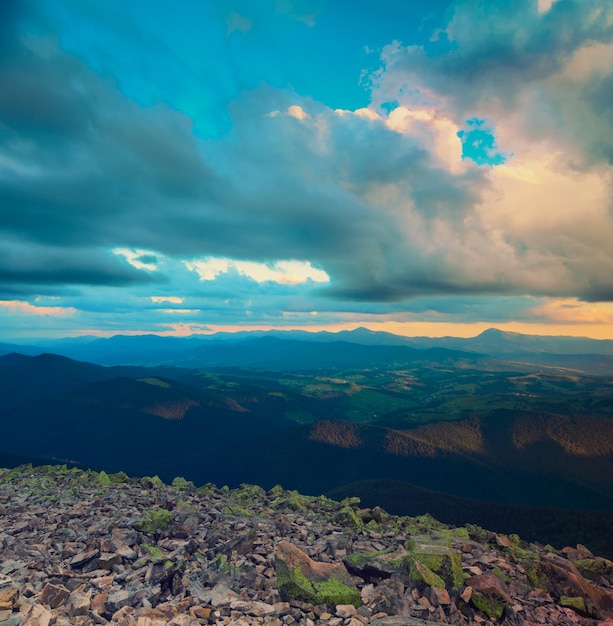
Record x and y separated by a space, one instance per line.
86 548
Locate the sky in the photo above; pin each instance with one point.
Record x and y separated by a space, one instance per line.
424 168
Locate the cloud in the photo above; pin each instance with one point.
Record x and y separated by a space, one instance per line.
25 308
281 272
543 224
109 202
140 259
171 299
573 311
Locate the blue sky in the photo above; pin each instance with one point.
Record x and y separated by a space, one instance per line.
425 168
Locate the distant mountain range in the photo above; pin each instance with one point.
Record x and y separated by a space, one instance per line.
301 350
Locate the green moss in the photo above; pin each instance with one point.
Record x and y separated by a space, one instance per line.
410 544
152 482
276 491
119 478
530 561
514 539
182 484
293 585
476 533
154 521
520 554
420 572
575 602
225 567
237 510
102 479
291 500
154 551
592 569
492 607
360 559
532 567
250 492
461 533
502 575
447 565
347 517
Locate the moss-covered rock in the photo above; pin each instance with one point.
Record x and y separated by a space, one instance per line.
577 603
102 479
300 578
119 478
491 606
347 517
154 521
151 482
446 566
593 569
183 484
294 585
420 572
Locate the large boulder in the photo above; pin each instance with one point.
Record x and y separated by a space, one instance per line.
562 579
426 561
301 578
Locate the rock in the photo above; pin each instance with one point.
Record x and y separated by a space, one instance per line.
404 621
181 620
37 615
8 598
489 594
301 578
256 609
107 560
439 596
214 557
84 557
119 599
430 560
54 595
220 595
79 603
594 568
346 610
467 594
563 579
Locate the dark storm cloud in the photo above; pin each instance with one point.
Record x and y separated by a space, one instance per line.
43 267
80 160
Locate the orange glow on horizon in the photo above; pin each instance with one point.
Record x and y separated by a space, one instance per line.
406 329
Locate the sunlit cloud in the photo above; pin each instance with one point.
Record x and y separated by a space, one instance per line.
140 259
281 272
25 308
573 311
170 299
544 5
179 311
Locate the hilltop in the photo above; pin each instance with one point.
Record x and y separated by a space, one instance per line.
87 548
294 350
